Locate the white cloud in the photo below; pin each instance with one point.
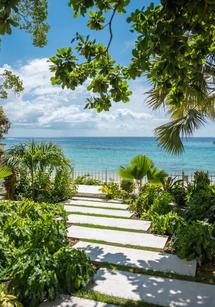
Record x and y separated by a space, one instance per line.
45 110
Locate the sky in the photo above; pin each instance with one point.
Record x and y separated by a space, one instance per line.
48 111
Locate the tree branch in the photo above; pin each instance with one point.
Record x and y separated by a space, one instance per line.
110 28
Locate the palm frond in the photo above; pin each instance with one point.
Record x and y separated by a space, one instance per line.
169 135
5 171
156 97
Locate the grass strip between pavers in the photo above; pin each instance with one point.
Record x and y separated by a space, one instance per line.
101 215
146 248
108 227
108 299
98 207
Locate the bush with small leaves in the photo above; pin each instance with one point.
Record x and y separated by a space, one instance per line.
166 224
112 190
162 204
145 199
195 241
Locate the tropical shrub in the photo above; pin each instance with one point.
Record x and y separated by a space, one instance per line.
200 199
73 269
8 300
177 189
86 179
127 186
144 199
112 190
166 224
195 241
36 259
141 167
162 204
40 172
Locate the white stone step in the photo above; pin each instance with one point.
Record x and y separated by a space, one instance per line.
109 212
95 204
71 301
114 201
154 290
90 191
147 260
109 222
118 236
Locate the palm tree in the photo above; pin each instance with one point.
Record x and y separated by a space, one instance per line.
142 167
196 106
36 159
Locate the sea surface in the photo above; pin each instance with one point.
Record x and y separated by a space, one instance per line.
100 153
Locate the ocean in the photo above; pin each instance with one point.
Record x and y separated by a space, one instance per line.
101 153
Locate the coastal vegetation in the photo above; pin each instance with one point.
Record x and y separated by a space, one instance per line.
41 172
189 220
36 260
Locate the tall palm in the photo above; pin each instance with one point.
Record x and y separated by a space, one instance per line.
36 159
139 168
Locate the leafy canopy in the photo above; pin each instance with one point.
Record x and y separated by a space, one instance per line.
174 48
27 15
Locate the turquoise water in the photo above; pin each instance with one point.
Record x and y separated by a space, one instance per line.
100 153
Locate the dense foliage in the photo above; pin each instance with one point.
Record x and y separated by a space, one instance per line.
41 171
28 15
86 179
187 217
195 240
112 190
201 199
174 46
35 258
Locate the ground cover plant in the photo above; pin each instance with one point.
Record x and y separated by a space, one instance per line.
36 261
40 172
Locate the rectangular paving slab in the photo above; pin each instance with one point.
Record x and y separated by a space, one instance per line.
90 190
154 290
71 301
109 222
95 204
147 260
114 201
86 210
118 236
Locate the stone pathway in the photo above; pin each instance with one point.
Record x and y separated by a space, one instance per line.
96 204
90 191
117 236
154 290
109 222
71 301
129 245
141 259
98 211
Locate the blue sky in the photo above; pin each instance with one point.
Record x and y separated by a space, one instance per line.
44 110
